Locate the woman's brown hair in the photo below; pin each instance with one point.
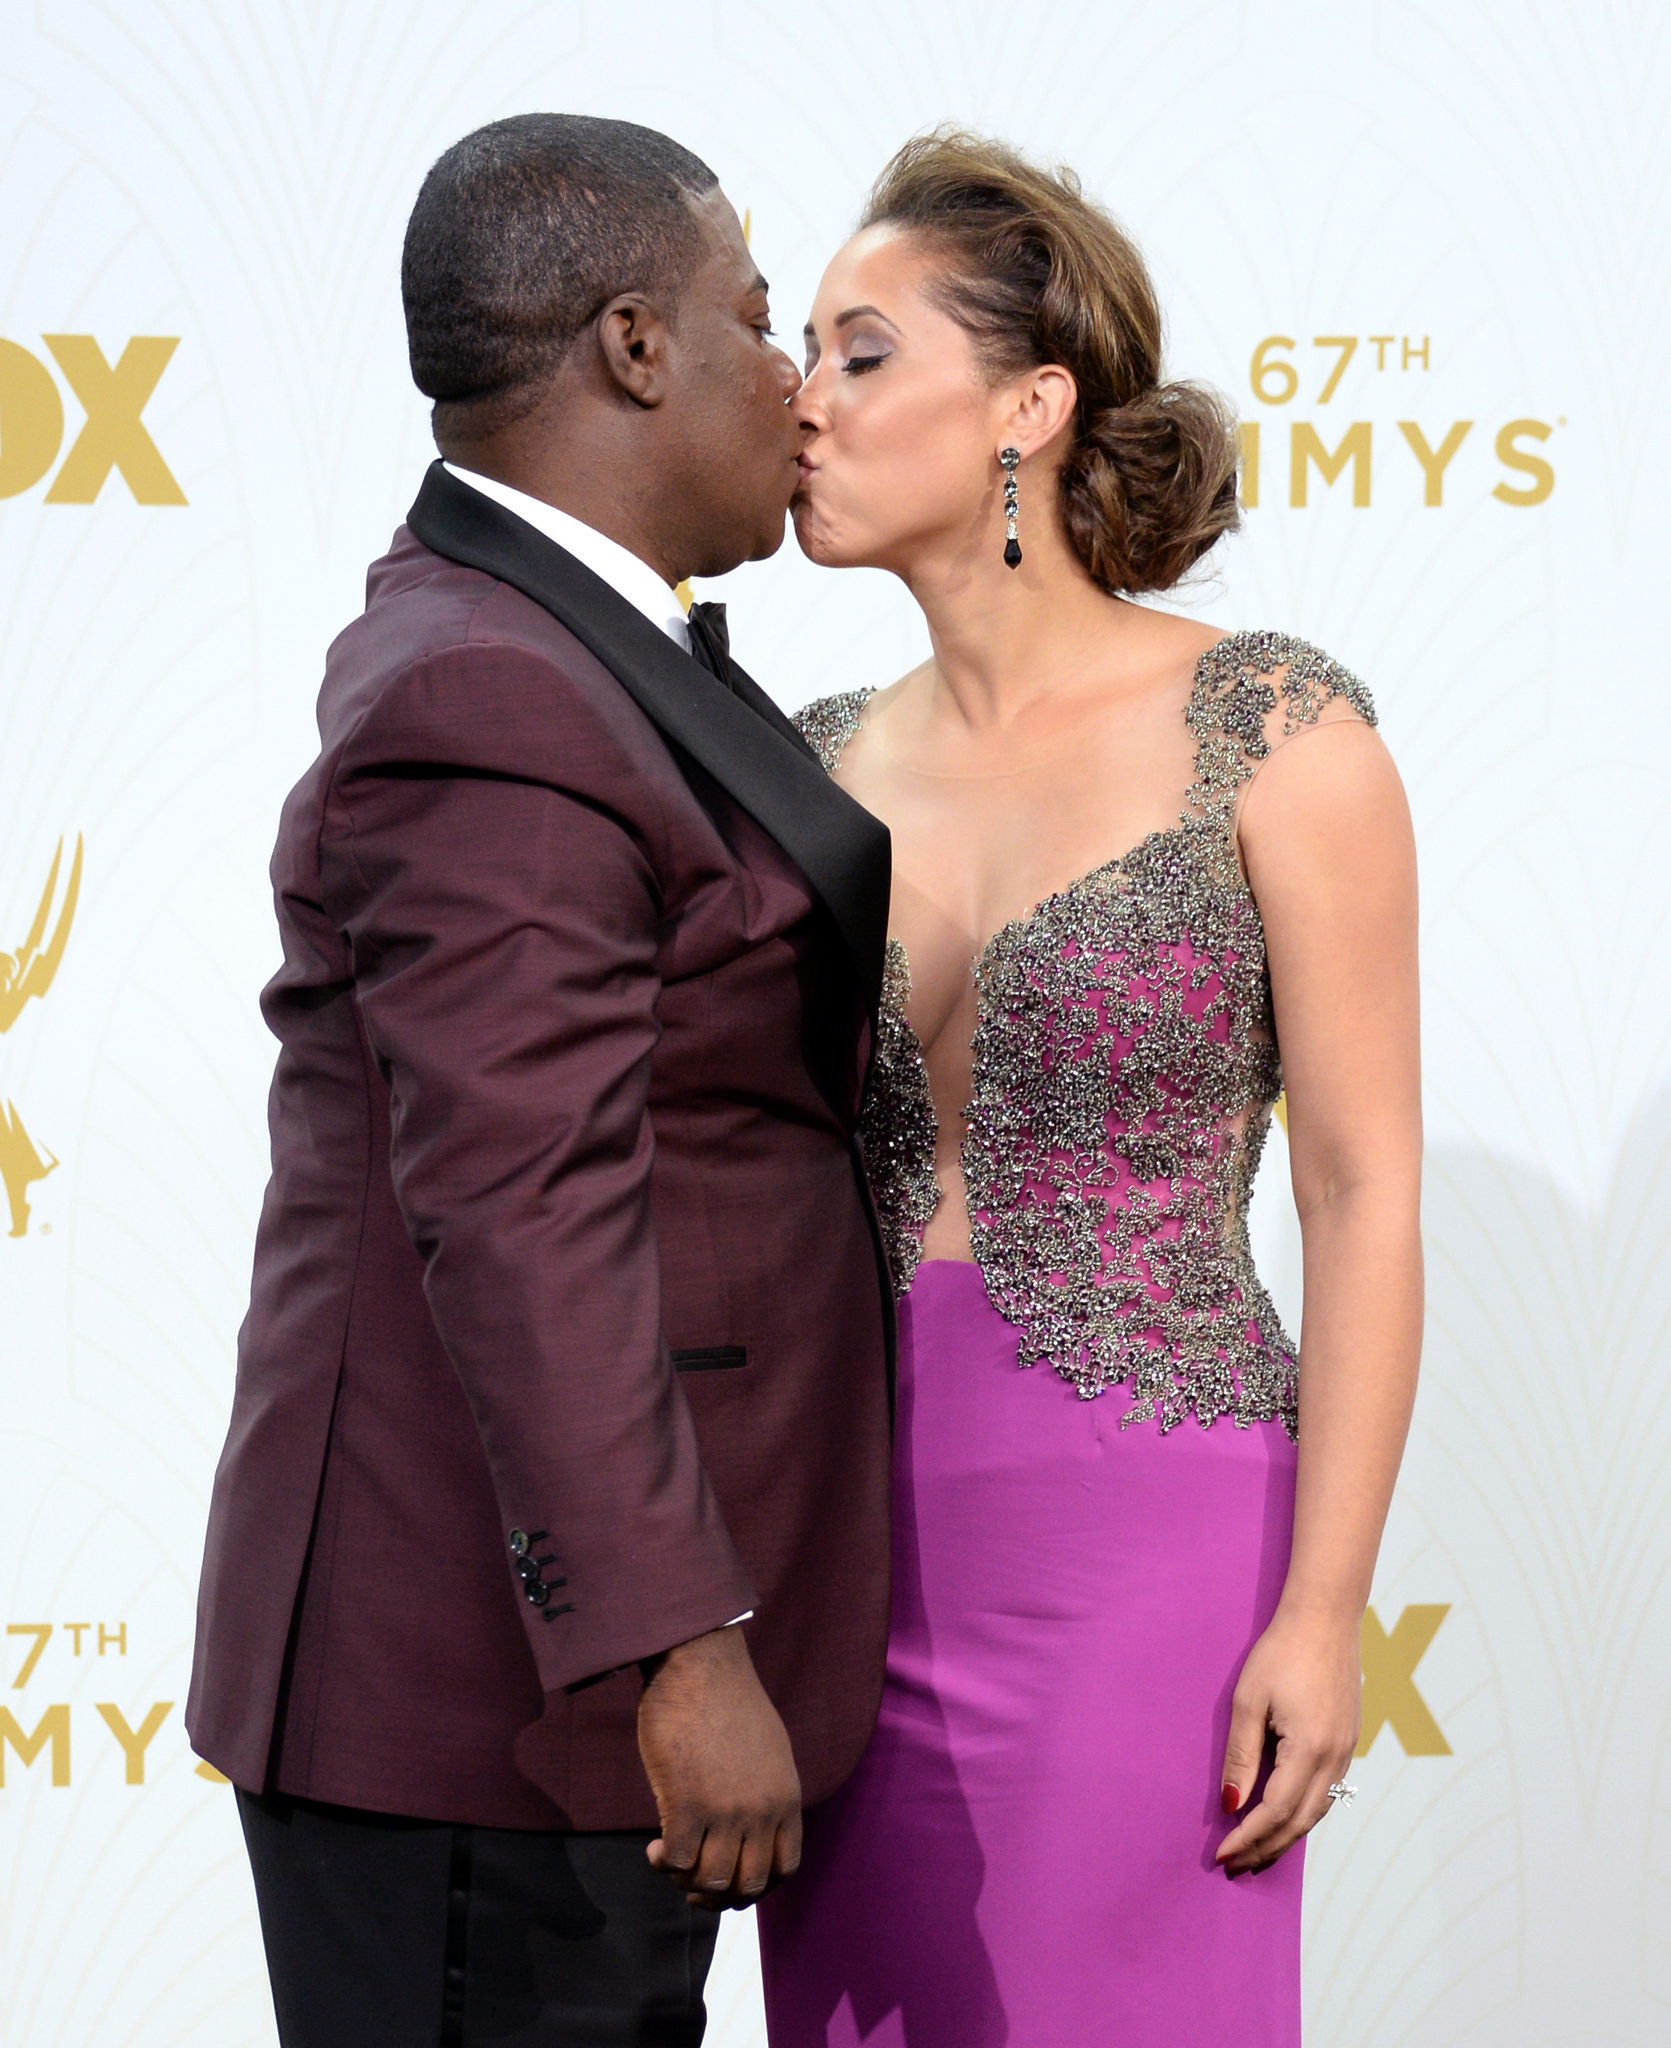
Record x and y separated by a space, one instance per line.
1036 273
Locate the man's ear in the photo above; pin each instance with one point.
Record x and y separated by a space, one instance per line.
632 340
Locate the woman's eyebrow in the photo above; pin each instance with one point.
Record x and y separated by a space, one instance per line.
853 313
858 312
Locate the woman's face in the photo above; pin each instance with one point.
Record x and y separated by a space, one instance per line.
900 428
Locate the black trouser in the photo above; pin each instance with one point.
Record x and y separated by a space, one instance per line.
387 1933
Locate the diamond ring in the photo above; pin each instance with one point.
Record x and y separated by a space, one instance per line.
1343 1792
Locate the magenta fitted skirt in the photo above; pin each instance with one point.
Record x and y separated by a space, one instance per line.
1024 1857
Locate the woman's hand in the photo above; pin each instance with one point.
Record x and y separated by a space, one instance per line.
1301 1684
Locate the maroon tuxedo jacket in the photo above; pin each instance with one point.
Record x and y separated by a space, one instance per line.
569 1333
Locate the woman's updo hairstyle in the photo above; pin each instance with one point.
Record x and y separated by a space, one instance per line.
1036 273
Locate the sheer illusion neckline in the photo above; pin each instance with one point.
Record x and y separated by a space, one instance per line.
1023 921
1057 897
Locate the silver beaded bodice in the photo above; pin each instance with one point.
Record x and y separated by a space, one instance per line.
1125 1066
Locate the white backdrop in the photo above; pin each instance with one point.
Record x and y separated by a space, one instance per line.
1485 188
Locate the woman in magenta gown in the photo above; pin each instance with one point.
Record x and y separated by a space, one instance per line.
1147 876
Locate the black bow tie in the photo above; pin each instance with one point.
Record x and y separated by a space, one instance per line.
710 640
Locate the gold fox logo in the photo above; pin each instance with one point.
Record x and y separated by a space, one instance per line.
29 972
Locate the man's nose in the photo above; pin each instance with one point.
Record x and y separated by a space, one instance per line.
788 376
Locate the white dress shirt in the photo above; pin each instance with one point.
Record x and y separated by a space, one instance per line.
619 567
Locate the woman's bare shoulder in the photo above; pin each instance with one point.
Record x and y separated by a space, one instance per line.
1156 639
831 724
1186 638
906 686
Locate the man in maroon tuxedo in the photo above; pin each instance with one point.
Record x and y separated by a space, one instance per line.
548 1553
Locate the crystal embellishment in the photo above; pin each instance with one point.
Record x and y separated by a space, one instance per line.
1125 1066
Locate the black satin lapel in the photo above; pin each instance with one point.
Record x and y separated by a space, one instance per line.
743 740
744 686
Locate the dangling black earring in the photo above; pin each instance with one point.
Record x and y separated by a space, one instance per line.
1009 457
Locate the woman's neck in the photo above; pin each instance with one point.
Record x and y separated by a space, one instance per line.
1004 638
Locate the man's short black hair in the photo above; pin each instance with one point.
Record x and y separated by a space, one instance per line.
522 233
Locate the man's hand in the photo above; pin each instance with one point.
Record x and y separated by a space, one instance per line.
721 1768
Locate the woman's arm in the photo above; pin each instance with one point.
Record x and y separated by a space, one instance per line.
1325 834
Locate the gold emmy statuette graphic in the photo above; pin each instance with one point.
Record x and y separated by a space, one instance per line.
29 972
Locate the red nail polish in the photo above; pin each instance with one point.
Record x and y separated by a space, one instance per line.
1230 1799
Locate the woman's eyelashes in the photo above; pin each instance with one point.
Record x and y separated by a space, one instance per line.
867 354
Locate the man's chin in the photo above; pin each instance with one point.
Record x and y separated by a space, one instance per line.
767 540
773 538
770 538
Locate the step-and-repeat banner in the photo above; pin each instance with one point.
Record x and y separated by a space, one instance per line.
1424 244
